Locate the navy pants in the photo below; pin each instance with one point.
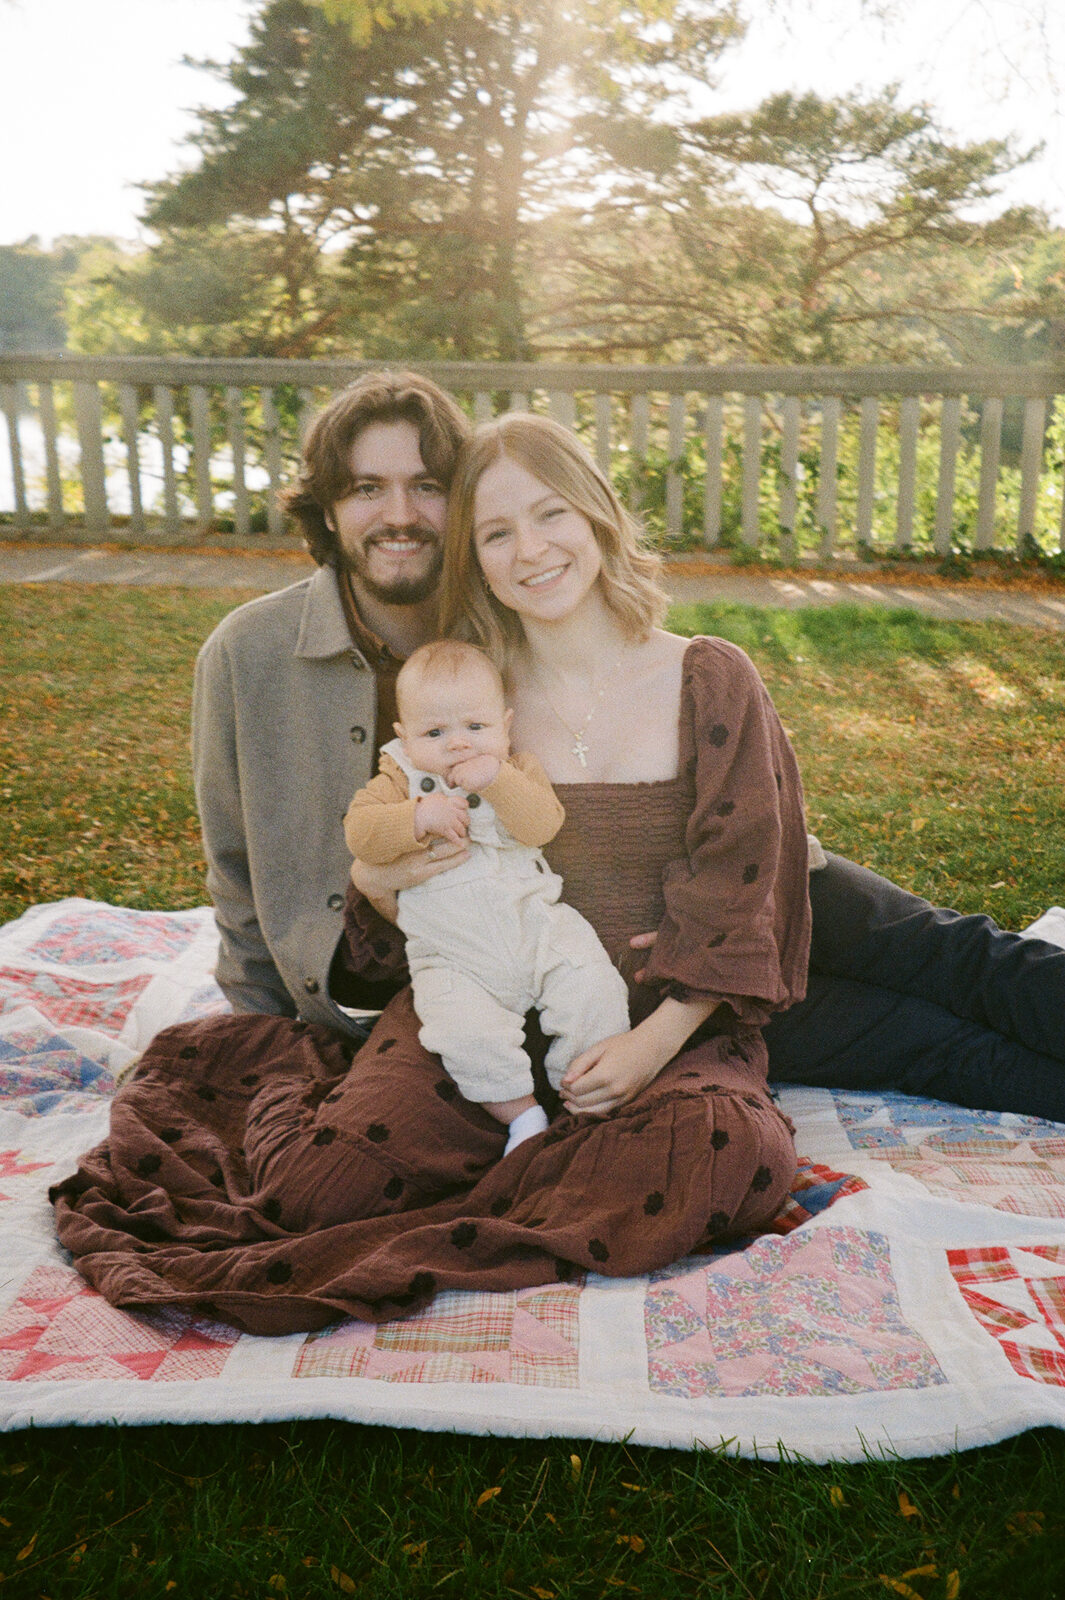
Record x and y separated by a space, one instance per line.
905 995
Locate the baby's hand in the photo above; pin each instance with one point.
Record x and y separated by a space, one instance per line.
446 816
475 772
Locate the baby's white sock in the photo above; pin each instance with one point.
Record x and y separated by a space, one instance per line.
525 1124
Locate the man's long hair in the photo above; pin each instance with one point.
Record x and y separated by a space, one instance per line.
324 476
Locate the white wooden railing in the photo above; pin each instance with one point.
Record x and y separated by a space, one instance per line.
145 449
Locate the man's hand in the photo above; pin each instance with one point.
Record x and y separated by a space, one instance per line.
446 816
474 773
381 885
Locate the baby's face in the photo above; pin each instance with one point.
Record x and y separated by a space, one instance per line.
448 719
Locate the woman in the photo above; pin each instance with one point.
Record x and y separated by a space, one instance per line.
257 1173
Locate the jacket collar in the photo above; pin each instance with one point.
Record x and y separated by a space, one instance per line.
323 626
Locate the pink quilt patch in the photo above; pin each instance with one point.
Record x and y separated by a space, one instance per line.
71 1001
528 1336
60 1328
815 1313
12 1167
87 938
1017 1295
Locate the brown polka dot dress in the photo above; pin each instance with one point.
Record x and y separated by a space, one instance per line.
260 1171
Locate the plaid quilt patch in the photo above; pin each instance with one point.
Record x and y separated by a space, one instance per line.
1017 1295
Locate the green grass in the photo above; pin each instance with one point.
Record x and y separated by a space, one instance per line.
933 752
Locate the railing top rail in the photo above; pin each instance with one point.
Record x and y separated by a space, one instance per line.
858 381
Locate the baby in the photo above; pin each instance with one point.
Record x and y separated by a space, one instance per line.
487 939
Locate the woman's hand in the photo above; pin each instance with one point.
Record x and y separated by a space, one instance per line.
381 885
641 941
610 1073
615 1070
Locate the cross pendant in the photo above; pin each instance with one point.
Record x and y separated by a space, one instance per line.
580 749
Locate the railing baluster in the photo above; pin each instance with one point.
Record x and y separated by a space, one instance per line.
752 466
237 444
909 421
863 517
562 405
674 480
712 433
1031 461
639 433
482 406
9 406
949 439
306 414
275 522
518 401
88 411
827 487
50 430
200 416
789 475
990 451
602 431
128 407
164 412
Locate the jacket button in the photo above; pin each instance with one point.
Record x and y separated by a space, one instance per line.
358 735
311 985
428 786
335 902
473 801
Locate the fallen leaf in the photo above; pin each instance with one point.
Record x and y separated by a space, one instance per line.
633 1541
278 1582
835 1494
637 1488
898 1587
918 823
1025 1523
575 1467
929 1570
342 1580
906 1505
489 1494
953 1586
543 1594
27 1550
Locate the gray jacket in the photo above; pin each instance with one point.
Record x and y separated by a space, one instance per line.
283 718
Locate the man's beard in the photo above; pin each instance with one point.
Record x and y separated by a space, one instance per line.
399 591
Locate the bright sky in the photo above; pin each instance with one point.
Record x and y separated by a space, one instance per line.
96 100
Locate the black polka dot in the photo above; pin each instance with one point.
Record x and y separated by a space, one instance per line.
718 1222
500 1207
738 1053
249 1079
149 1164
464 1235
272 1210
761 1180
216 1178
718 1139
598 1250
279 1272
689 1074
386 1044
654 1203
170 1135
378 1133
565 1271
718 735
381 949
717 941
752 1099
445 1089
324 1136
205 1093
780 780
726 808
188 1052
422 1283
750 872
331 1099
393 1188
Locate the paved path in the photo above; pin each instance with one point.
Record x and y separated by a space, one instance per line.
952 602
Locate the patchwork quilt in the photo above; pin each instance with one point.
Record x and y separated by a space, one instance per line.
909 1300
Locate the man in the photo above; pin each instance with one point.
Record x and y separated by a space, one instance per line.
295 692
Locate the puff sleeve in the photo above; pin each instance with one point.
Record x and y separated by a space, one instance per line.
737 918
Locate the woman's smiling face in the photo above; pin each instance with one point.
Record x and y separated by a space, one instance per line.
538 554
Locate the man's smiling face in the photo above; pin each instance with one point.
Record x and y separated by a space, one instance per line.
390 525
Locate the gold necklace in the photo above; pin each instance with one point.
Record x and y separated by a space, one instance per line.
579 747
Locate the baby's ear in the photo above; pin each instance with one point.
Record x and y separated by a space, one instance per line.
508 718
398 727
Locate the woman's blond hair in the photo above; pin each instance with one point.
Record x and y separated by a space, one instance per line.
557 458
